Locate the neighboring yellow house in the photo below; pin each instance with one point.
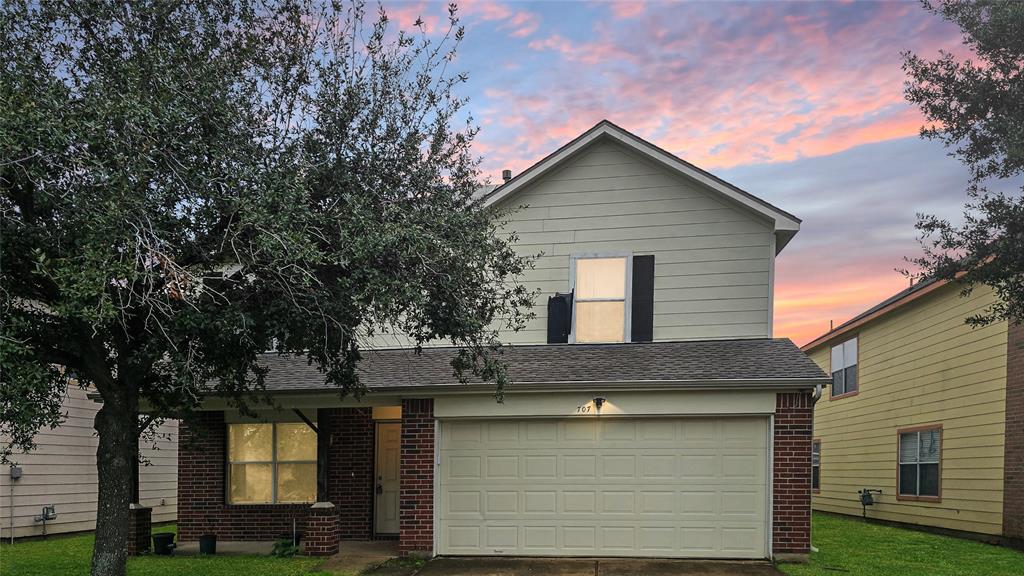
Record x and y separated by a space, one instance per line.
926 409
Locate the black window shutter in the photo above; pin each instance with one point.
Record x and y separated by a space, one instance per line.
559 318
642 325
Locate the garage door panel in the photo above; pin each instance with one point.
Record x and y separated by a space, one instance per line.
616 487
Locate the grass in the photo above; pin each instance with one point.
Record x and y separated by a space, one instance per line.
851 546
70 555
846 546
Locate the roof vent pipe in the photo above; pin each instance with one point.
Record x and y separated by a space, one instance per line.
506 175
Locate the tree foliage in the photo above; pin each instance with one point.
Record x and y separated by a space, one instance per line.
187 185
975 106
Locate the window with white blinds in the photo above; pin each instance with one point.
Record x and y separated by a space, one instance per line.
920 455
844 368
271 463
816 465
601 298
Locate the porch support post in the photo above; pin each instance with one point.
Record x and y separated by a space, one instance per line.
322 530
416 491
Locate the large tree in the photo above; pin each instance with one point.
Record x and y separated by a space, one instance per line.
975 106
187 185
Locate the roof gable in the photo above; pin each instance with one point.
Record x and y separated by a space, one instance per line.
786 225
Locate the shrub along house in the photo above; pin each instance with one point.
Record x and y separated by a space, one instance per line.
652 413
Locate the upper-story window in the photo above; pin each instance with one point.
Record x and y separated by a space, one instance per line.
844 368
601 286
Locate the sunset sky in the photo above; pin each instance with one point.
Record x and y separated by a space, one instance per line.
799 103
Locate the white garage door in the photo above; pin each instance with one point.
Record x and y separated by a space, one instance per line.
677 487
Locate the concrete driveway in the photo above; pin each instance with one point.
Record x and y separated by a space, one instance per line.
585 567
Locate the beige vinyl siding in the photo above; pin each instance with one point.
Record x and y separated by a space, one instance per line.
712 258
919 365
62 472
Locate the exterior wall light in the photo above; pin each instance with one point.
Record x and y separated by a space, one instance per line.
598 402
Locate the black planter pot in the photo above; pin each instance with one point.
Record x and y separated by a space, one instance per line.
163 543
208 544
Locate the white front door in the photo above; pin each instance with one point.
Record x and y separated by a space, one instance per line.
670 487
386 477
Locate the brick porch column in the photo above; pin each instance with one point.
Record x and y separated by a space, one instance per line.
322 530
791 481
140 529
416 491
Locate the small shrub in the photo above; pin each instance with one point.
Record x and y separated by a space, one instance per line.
285 548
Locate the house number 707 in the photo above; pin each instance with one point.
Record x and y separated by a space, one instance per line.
583 409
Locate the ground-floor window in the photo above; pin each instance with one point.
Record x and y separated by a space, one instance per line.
271 463
920 462
816 465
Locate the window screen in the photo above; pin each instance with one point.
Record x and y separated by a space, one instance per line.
600 298
271 463
816 465
844 368
920 453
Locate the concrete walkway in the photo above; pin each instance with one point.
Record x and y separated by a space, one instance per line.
356 556
588 567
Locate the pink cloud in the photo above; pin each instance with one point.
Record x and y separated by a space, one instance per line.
518 23
723 85
406 14
626 8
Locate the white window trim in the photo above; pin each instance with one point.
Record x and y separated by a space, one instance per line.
628 302
917 463
832 369
273 467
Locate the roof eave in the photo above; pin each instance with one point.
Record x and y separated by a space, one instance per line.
622 385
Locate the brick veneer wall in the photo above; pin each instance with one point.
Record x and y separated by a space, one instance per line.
416 497
350 468
1013 463
791 482
202 481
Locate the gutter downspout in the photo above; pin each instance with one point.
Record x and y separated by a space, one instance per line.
814 401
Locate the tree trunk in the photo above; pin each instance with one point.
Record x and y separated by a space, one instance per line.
116 424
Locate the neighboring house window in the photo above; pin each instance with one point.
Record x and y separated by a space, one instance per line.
920 457
601 294
816 465
844 368
271 463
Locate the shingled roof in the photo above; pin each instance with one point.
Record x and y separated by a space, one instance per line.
745 362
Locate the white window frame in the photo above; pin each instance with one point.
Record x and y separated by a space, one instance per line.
816 442
856 366
916 432
273 466
628 293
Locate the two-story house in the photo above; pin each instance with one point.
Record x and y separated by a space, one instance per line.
926 409
652 413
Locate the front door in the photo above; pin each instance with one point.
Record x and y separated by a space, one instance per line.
385 505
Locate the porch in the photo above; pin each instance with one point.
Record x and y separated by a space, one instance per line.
373 482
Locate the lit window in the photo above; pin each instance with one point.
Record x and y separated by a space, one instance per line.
844 368
920 453
816 465
271 463
600 299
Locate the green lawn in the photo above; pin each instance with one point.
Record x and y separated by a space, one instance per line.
846 546
69 556
850 546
